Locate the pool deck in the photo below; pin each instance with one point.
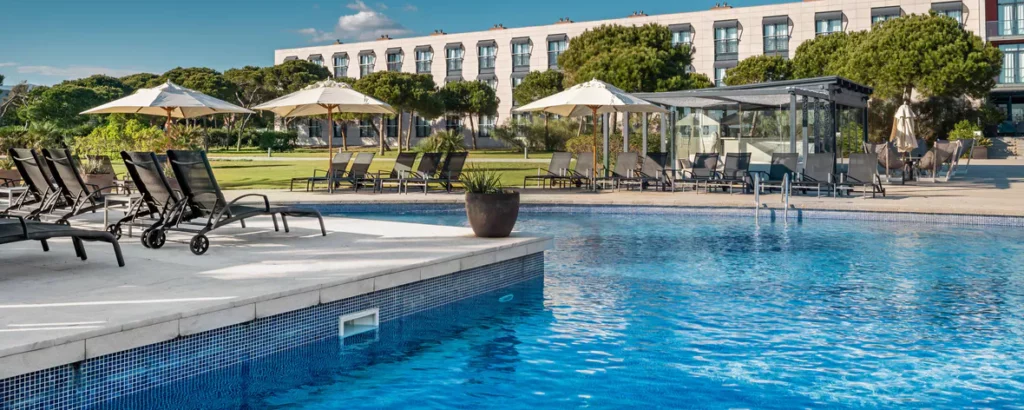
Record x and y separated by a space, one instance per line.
56 309
989 187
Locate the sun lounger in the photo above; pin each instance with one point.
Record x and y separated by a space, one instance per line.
399 171
17 229
79 196
701 170
557 169
736 173
818 174
625 167
40 194
931 163
339 163
202 198
652 172
783 165
862 173
158 196
888 158
426 172
582 176
356 177
451 171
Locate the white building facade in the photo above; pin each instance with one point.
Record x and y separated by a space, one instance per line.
719 37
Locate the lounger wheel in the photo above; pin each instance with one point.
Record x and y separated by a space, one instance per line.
145 238
115 230
199 244
156 239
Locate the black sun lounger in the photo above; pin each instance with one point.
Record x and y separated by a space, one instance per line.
79 196
426 172
158 196
40 195
451 171
736 173
703 169
625 168
202 198
399 171
557 168
356 177
339 162
17 229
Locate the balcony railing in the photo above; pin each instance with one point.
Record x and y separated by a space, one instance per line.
487 62
1004 28
520 60
395 66
423 67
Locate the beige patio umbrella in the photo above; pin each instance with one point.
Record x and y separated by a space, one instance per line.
591 98
326 97
170 100
903 134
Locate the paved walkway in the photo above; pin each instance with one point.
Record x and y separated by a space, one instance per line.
990 187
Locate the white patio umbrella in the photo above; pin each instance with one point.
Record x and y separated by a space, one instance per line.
903 134
591 98
326 97
170 100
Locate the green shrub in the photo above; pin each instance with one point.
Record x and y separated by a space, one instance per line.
534 134
482 181
851 139
967 130
443 142
15 136
221 137
278 141
121 135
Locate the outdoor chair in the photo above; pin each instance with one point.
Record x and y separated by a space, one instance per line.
399 170
625 168
202 198
888 158
735 174
338 164
356 176
818 174
157 196
451 171
557 169
862 173
426 172
931 163
652 172
79 196
701 170
40 194
783 165
582 176
17 229
967 148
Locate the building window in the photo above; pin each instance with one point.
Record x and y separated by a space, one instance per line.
487 123
682 38
314 128
955 10
491 82
341 66
521 55
727 43
391 127
1013 70
454 58
317 59
776 39
487 55
394 61
884 14
366 129
828 24
555 49
423 60
422 127
720 76
1011 17
453 123
366 62
515 83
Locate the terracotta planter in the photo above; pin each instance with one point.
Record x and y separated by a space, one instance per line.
980 153
100 180
9 174
492 215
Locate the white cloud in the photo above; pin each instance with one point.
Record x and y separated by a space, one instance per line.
8 64
73 71
410 7
365 24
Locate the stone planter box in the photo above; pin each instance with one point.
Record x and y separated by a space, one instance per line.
980 153
100 180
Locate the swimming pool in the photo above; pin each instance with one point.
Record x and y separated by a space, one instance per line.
677 311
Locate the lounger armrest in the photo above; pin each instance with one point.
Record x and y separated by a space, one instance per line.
266 201
21 221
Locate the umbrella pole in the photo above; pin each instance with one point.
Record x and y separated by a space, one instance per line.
593 176
167 127
330 148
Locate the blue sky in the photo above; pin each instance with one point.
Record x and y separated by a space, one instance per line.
45 42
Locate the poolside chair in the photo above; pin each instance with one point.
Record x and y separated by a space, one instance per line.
338 165
425 172
931 163
557 169
967 147
40 195
818 174
355 177
625 168
451 171
783 165
735 174
862 173
399 171
79 196
158 196
582 176
701 170
888 158
652 172
203 198
17 229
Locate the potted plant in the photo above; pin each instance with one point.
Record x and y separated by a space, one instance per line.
97 172
492 210
967 130
7 171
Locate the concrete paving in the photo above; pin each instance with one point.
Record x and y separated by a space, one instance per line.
56 309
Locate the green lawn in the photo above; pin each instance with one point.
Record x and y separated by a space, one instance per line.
278 174
314 152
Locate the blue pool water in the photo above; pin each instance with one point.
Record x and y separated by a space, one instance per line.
677 311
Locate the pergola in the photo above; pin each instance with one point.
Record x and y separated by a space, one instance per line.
758 118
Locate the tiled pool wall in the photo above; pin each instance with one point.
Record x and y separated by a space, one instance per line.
104 378
764 214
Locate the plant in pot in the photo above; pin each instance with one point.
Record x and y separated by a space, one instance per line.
8 174
967 130
97 170
492 210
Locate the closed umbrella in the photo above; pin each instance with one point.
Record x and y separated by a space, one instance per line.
326 98
591 98
903 134
170 100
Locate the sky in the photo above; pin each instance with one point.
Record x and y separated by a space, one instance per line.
47 41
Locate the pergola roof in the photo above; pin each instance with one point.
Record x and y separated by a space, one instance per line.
763 95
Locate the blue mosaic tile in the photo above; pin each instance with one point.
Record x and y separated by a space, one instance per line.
101 379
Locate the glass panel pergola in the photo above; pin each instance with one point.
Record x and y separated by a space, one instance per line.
825 114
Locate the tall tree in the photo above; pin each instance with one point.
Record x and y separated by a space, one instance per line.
823 55
205 80
405 92
293 75
137 81
760 69
537 85
469 99
345 118
61 104
250 86
629 57
98 81
16 98
929 54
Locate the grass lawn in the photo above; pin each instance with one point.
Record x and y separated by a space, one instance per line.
322 152
278 174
